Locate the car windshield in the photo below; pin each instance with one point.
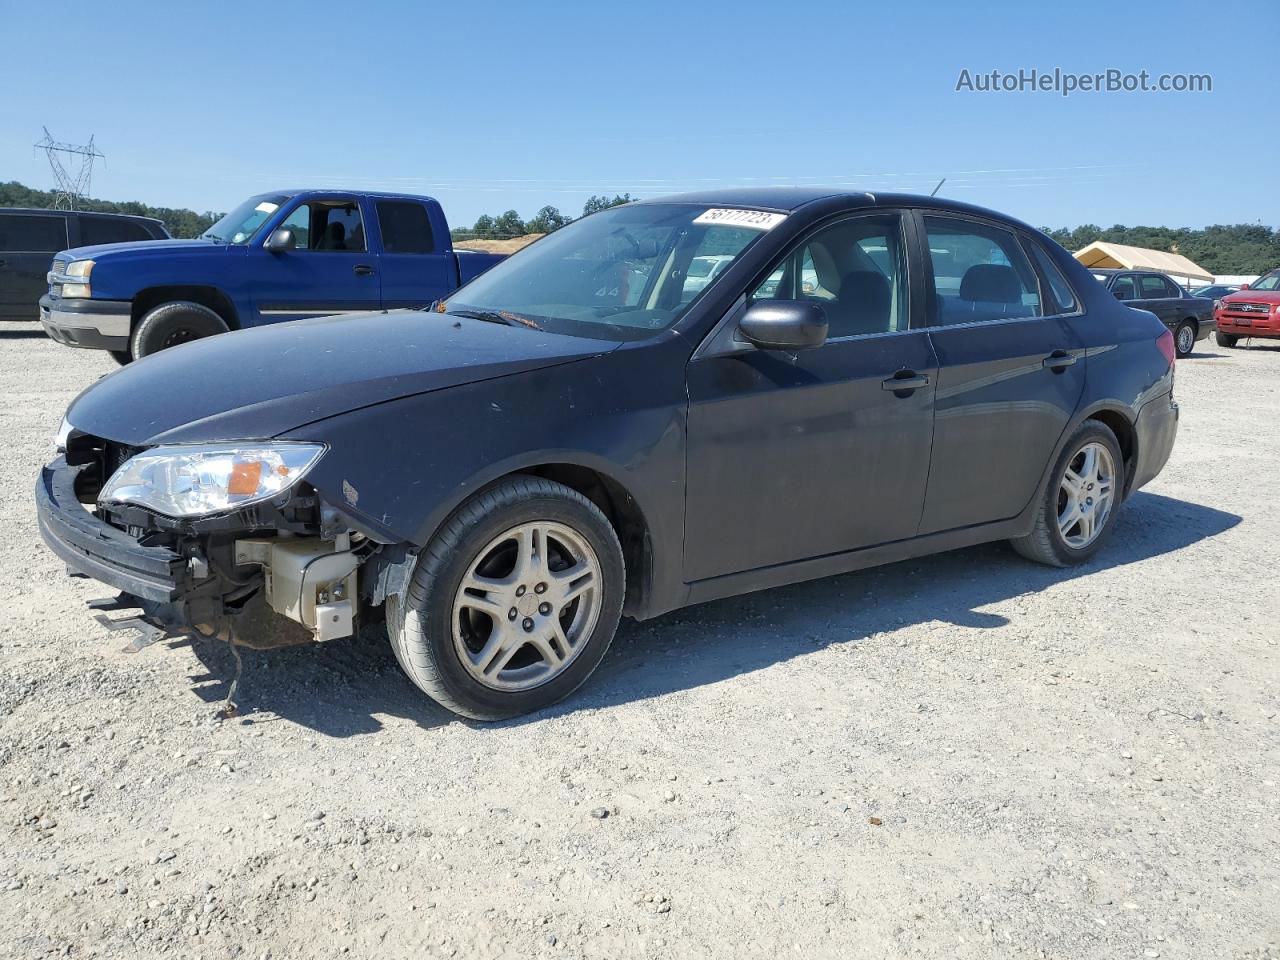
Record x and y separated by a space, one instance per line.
1270 281
619 274
240 225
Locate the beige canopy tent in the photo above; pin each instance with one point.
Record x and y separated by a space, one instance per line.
1121 257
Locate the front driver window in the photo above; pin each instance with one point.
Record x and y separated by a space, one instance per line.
327 226
1125 289
855 269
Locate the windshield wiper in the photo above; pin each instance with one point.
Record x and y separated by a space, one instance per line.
212 236
504 317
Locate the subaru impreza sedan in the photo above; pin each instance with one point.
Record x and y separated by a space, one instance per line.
580 434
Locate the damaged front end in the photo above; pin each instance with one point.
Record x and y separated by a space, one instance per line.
255 535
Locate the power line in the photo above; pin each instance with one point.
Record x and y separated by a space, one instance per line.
69 188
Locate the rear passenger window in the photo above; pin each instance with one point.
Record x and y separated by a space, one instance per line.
32 234
979 273
1155 288
95 230
1058 285
406 227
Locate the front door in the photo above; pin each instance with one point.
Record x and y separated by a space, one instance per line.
793 456
1009 376
329 271
28 242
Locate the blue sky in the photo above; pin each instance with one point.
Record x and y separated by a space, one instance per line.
494 105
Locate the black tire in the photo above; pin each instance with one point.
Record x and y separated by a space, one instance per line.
1187 331
172 323
1046 544
1226 339
419 623
121 356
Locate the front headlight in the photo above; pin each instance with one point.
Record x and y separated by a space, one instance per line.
78 268
64 434
198 481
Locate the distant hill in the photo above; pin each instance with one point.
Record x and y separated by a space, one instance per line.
181 222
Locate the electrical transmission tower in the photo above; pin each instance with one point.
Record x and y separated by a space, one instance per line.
70 188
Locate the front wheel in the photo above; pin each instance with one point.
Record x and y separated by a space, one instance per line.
174 323
1184 338
1081 501
514 602
1226 339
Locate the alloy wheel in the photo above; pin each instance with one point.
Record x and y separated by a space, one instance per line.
1186 339
527 605
1086 495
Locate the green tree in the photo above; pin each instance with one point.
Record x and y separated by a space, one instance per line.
509 224
595 204
546 220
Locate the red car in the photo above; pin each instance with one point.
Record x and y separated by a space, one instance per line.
1252 311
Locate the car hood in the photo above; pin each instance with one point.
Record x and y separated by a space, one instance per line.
110 251
1252 296
257 384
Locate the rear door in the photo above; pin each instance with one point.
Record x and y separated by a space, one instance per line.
417 267
1011 373
330 271
28 242
792 456
1158 295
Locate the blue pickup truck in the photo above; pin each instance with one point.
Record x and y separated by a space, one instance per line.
277 256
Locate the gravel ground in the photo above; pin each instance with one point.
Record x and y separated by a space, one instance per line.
961 756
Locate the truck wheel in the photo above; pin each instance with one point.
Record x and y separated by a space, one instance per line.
1078 508
1226 339
1184 338
173 323
513 603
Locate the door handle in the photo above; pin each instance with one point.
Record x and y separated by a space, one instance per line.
1058 361
905 382
362 270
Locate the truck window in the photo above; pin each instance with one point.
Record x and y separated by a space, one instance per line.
327 226
95 230
405 226
32 234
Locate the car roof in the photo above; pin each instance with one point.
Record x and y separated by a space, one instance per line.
790 199
96 213
354 191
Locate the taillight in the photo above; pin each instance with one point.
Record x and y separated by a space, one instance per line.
1164 343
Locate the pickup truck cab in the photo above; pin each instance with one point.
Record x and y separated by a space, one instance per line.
1189 317
278 256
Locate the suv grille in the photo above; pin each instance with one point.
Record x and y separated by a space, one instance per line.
1246 307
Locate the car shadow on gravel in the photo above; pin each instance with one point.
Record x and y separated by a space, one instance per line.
342 689
38 333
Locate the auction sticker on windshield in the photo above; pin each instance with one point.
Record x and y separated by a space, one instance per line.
754 219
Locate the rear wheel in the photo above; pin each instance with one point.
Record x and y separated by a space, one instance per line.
1184 338
1226 339
514 602
1080 504
171 324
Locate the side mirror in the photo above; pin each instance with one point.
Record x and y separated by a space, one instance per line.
281 240
784 325
1244 286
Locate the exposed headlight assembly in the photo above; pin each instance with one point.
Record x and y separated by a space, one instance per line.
78 268
199 481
